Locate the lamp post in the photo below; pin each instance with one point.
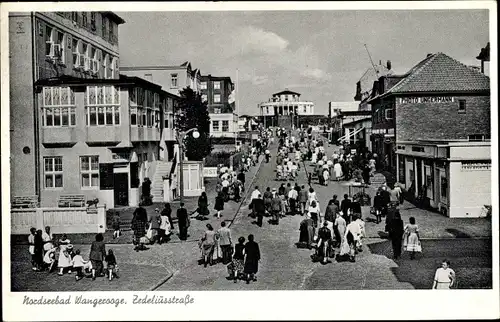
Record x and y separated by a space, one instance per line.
180 140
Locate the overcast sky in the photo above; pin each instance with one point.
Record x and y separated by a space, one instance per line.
319 54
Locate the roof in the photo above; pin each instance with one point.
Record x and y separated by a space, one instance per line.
286 91
210 78
116 18
441 73
485 53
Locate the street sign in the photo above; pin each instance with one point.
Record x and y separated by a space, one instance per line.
378 180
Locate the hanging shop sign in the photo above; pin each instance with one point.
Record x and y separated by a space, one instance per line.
426 99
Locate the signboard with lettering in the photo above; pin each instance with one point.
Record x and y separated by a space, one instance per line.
210 172
377 180
426 99
121 157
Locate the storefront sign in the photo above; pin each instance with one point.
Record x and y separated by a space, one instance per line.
210 172
426 99
378 180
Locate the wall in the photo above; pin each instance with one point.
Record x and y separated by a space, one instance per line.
161 77
442 121
231 118
22 109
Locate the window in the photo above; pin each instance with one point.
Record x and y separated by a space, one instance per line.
173 80
77 62
305 109
102 105
92 21
85 57
111 32
133 116
215 126
59 108
148 77
94 61
267 109
217 98
225 126
105 65
203 85
53 172
216 85
166 121
54 45
217 110
85 21
418 149
476 138
444 188
204 98
462 107
113 67
89 171
104 27
74 16
389 114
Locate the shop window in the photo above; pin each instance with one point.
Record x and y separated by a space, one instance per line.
89 171
53 172
462 107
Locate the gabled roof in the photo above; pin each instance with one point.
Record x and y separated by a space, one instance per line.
286 92
441 73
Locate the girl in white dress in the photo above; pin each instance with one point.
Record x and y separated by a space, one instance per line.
64 260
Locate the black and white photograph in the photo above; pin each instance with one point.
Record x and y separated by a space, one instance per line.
164 153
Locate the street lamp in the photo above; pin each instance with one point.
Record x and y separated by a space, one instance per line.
180 140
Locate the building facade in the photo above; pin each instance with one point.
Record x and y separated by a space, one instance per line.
217 92
434 128
285 109
172 79
44 45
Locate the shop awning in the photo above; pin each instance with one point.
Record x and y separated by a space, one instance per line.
346 137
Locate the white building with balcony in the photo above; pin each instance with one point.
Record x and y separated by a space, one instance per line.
286 103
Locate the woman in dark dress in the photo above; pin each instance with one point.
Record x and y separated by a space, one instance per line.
252 257
203 211
235 268
139 222
305 237
97 255
38 258
219 204
396 231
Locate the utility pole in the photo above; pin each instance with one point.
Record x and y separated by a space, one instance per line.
373 65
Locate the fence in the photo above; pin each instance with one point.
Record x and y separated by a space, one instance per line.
61 220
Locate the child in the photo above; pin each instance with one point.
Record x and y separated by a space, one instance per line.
116 225
49 259
112 267
79 265
31 248
64 255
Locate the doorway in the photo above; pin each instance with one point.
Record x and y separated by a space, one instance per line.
419 182
121 189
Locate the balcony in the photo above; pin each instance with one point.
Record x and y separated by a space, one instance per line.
169 134
59 135
105 134
144 134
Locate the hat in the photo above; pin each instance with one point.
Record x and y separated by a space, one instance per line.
69 246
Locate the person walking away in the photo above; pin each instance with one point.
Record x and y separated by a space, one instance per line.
225 242
255 195
154 222
111 267
78 265
268 155
48 238
236 267
225 189
202 210
97 255
324 243
339 229
292 201
31 247
219 204
355 210
352 237
165 229
38 256
276 209
241 177
116 225
252 258
411 238
268 197
345 206
378 206
259 208
399 190
303 196
139 223
314 212
396 232
183 222
311 196
146 192
362 234
207 246
330 212
337 170
444 278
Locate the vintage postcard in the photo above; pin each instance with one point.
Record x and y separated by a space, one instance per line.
266 160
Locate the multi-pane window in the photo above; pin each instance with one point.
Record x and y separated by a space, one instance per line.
216 85
144 107
217 98
204 98
104 27
111 32
59 108
54 45
215 126
203 85
305 109
462 107
225 126
173 80
112 67
105 65
53 172
389 114
217 110
93 21
102 105
85 20
89 171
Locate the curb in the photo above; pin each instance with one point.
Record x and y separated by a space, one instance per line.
163 281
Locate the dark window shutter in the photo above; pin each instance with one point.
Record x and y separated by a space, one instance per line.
134 174
106 176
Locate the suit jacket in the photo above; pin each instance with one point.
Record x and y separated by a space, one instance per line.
259 206
224 235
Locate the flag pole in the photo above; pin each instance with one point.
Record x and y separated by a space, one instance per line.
237 102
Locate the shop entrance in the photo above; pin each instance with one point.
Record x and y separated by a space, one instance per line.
121 189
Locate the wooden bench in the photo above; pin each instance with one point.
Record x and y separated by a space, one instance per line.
66 201
24 202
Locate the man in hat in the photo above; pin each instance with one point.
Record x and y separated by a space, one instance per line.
259 207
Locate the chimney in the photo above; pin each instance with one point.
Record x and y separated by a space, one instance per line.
380 62
389 65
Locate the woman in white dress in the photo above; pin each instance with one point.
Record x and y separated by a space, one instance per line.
337 168
314 158
64 260
326 175
444 277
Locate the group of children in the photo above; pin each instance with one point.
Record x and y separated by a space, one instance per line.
46 255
